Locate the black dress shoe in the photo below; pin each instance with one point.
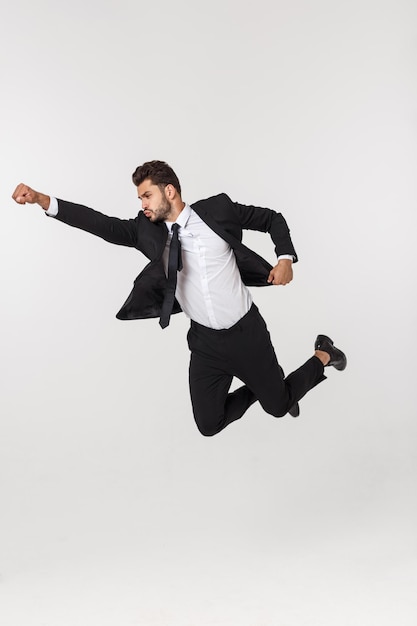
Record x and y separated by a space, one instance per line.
337 357
294 411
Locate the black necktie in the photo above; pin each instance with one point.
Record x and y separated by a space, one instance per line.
174 265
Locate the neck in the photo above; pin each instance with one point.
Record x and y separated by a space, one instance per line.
176 209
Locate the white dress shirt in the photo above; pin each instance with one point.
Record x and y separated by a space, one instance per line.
209 287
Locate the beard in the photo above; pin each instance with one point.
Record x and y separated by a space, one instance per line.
162 212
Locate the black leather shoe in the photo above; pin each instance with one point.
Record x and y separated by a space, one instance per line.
294 411
337 357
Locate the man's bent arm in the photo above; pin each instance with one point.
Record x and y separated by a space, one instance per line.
268 221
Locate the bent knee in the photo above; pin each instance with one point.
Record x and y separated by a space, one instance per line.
209 427
277 413
276 410
208 430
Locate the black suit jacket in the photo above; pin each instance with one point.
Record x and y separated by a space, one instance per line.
224 217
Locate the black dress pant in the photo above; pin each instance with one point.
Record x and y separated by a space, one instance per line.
244 351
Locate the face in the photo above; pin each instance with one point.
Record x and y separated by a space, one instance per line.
155 203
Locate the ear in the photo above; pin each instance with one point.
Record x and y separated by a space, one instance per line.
170 192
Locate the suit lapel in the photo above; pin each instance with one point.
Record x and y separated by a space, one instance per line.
211 223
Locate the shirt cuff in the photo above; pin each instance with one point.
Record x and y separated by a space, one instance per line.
53 207
289 257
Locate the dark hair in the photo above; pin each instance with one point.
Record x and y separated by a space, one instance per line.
158 172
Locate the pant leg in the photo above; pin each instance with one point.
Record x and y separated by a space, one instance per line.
244 351
213 406
254 362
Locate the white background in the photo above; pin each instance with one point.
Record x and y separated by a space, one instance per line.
115 511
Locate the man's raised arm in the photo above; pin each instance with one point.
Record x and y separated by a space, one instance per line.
113 229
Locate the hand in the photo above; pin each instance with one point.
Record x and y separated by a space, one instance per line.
24 194
281 274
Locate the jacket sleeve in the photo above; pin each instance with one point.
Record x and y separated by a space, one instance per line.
267 221
112 229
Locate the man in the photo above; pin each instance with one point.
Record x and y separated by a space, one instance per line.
198 264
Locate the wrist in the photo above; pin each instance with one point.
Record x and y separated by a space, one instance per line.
43 201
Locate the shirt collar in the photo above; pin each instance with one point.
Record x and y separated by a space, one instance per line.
182 218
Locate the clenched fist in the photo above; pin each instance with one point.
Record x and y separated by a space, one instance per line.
281 274
24 194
